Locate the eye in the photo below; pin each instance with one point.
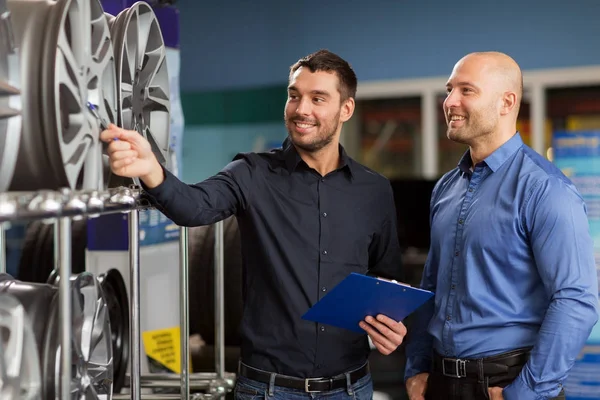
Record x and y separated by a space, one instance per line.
318 99
467 90
292 96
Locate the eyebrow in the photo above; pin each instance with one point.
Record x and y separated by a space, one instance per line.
462 83
318 92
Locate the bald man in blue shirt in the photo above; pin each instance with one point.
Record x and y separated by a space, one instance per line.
511 258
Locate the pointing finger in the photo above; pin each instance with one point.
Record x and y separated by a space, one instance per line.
114 132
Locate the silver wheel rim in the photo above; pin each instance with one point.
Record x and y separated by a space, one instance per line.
142 76
10 100
82 59
19 359
67 57
92 342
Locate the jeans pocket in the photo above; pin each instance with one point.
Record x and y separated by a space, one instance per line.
363 389
246 393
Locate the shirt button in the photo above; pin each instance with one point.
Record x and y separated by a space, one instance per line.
322 329
461 221
325 252
324 289
456 254
453 287
470 189
448 318
322 180
325 214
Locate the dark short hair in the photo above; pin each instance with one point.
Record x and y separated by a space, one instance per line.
325 60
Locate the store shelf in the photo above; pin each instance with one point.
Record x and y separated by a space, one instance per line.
47 205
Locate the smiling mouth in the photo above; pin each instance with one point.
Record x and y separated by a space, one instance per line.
454 118
454 121
304 125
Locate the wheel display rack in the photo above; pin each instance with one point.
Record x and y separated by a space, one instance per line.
60 208
67 70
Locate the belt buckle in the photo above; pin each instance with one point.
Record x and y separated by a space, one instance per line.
307 385
458 369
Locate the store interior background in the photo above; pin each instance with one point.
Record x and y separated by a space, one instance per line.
234 68
235 58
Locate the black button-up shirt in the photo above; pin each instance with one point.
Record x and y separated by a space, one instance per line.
302 233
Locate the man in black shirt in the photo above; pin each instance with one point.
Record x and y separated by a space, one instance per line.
309 215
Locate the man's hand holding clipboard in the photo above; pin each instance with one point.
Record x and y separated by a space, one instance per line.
385 333
376 306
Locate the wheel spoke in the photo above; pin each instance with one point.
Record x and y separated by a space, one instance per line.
155 68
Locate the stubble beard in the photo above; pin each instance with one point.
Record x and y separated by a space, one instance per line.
320 141
477 125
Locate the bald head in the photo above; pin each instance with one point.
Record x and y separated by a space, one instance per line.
484 94
497 70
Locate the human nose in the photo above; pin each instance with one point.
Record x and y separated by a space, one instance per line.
452 99
303 107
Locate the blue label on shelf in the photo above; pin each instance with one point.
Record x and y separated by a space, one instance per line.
111 232
155 228
108 232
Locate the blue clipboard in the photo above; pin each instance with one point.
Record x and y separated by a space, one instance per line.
358 296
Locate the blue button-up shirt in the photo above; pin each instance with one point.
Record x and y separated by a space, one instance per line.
512 264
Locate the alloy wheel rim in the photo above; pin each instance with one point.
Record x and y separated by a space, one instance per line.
142 76
80 69
10 99
19 360
92 366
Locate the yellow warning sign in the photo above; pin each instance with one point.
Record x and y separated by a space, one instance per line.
164 346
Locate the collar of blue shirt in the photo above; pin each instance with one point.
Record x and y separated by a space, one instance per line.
497 158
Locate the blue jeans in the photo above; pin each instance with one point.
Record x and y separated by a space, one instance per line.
247 389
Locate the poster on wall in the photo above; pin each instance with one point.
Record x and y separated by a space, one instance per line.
577 154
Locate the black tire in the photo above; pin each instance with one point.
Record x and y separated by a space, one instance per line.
117 301
28 260
37 260
201 282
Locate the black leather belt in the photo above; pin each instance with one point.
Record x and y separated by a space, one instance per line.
309 385
465 368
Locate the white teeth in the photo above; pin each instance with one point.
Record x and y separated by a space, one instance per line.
456 117
303 126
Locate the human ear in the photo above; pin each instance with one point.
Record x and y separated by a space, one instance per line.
347 109
509 102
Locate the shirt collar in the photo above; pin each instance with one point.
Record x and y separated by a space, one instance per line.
292 158
497 158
